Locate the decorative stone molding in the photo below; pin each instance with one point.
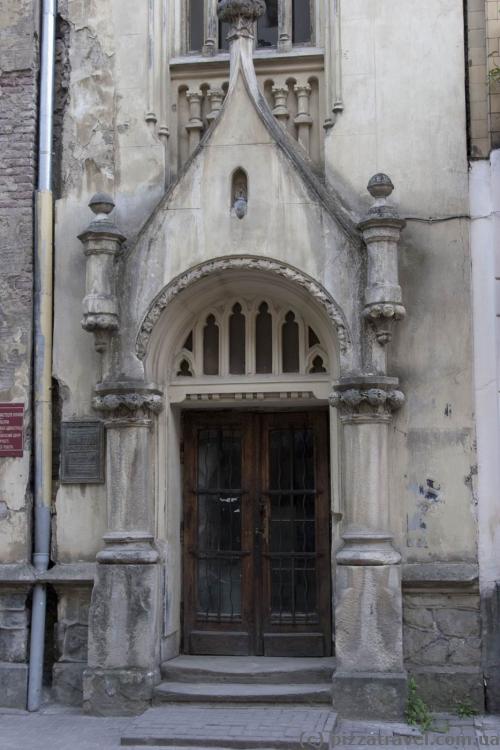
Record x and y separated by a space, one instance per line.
128 548
102 242
381 232
367 547
242 263
252 396
128 402
367 398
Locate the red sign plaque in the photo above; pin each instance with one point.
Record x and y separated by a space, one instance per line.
11 430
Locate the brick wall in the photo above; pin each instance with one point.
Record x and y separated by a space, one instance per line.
18 139
483 39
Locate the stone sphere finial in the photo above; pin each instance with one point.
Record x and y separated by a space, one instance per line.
101 203
380 186
231 10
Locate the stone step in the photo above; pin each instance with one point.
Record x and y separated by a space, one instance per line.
237 692
248 669
232 728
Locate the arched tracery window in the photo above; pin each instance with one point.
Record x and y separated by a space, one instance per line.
257 337
281 18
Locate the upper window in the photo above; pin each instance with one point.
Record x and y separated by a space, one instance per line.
284 23
250 338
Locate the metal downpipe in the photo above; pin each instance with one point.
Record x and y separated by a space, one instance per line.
43 322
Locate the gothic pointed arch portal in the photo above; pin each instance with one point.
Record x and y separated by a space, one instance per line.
253 561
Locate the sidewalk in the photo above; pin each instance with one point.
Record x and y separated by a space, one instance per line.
59 728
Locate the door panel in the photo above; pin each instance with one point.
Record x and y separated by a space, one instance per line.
295 555
218 535
256 534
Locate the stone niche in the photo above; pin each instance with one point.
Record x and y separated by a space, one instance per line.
442 647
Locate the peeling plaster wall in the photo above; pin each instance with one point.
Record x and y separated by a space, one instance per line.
18 124
106 146
404 97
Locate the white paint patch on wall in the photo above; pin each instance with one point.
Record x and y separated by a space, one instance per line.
484 185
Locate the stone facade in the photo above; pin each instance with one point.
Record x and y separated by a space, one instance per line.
442 646
151 138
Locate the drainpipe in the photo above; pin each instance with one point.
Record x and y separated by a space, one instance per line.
43 315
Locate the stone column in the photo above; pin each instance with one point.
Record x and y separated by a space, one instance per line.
370 679
124 611
215 97
285 28
195 124
303 120
211 29
381 232
280 111
102 242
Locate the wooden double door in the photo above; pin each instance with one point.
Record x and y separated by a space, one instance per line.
256 534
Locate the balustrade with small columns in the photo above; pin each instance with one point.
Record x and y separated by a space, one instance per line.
291 88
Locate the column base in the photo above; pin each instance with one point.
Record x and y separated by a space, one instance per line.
118 692
370 695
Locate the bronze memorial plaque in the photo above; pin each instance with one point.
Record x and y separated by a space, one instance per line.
11 430
82 453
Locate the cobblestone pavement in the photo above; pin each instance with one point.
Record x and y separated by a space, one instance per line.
256 726
57 728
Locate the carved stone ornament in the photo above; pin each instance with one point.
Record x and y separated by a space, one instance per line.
250 263
382 316
241 15
102 242
231 10
127 401
364 399
381 230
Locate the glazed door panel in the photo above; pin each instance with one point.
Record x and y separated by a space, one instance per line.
256 534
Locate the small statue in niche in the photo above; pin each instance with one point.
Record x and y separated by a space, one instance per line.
239 193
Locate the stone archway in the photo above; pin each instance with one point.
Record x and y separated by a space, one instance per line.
175 309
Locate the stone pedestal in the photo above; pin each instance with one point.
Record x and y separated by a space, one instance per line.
370 680
123 640
124 612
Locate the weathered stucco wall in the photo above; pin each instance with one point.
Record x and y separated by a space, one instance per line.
18 121
403 88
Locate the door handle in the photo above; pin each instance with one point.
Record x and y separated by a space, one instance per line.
262 530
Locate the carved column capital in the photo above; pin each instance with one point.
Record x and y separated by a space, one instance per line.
367 398
128 404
